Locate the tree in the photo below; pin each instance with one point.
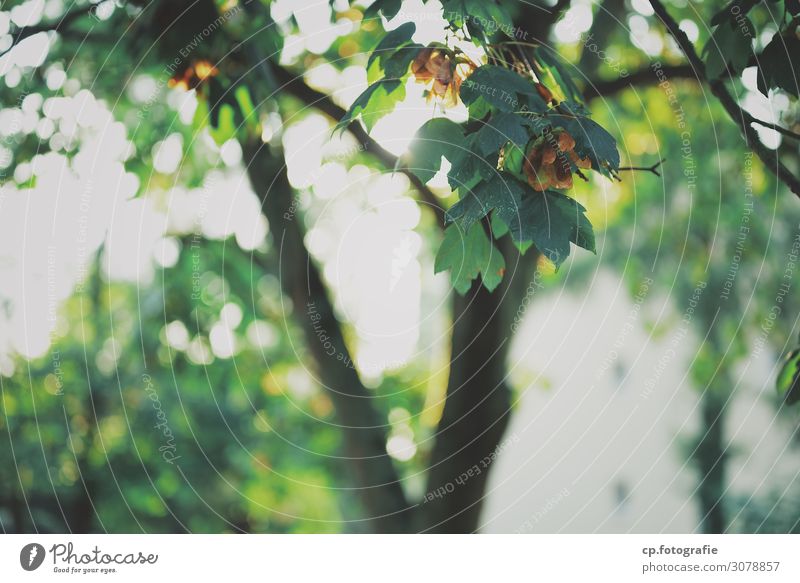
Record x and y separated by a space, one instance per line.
512 167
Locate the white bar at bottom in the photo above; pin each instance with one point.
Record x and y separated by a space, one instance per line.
404 559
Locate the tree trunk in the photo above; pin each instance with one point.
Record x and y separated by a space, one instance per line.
478 405
374 477
711 460
82 512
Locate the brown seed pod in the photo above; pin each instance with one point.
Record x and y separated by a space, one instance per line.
545 93
439 67
548 161
193 75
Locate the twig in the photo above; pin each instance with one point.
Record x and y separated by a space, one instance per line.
520 44
780 129
770 158
654 168
558 10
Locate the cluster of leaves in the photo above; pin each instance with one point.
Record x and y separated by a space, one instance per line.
224 110
526 136
88 434
730 48
194 52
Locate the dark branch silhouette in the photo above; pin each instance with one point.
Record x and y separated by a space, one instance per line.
770 158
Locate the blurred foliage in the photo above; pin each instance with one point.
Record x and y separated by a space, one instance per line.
131 416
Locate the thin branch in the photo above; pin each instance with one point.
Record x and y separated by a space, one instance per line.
639 78
558 10
770 158
654 168
780 129
517 43
28 31
295 85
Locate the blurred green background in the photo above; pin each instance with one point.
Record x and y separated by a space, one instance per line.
153 380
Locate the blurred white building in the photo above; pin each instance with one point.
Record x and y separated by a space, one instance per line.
591 449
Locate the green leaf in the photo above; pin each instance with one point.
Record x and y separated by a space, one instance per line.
454 12
483 18
502 89
467 171
729 47
513 159
479 108
591 140
391 42
574 108
468 254
396 66
501 193
223 128
492 272
488 18
552 221
739 6
376 101
200 118
559 73
246 108
470 167
436 138
467 211
788 382
523 246
494 11
584 235
224 111
389 8
502 127
499 228
777 65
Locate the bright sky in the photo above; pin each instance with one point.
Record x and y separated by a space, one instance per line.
362 222
51 233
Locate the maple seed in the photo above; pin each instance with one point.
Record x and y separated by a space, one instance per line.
439 67
545 93
549 161
192 76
